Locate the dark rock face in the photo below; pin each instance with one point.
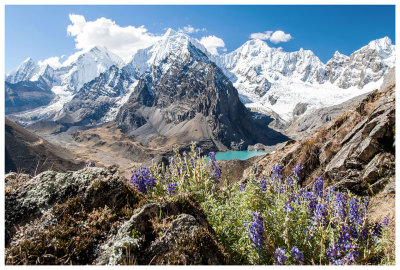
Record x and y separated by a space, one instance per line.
299 109
29 153
192 99
96 98
26 95
356 151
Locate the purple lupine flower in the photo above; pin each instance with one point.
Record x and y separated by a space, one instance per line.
297 255
263 183
192 162
198 149
217 172
300 196
211 156
354 214
385 221
276 173
171 188
312 201
353 231
352 255
290 180
338 262
328 194
319 187
288 207
344 236
257 230
297 170
332 252
89 164
320 214
280 256
364 231
143 180
242 187
377 230
340 206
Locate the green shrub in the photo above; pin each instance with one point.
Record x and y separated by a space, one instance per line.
272 220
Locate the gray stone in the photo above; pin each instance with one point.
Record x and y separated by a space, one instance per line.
300 109
390 188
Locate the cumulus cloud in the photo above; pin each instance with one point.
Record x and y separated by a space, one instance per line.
280 36
212 43
264 36
123 41
275 37
190 29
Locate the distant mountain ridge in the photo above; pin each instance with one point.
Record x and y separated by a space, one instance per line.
273 80
268 80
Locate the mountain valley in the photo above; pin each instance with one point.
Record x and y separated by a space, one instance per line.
106 159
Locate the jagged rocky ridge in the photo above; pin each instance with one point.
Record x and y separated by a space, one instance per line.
98 100
275 81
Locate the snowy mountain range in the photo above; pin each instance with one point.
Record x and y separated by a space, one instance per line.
269 80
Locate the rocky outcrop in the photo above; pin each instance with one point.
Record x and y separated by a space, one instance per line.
164 233
355 151
92 216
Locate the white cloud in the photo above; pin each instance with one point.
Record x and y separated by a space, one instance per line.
123 41
264 36
280 36
212 43
190 29
274 37
52 61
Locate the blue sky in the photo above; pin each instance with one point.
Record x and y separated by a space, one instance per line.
40 32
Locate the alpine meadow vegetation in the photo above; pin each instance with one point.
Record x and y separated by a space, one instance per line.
272 219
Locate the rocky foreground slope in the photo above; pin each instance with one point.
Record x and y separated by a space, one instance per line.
92 217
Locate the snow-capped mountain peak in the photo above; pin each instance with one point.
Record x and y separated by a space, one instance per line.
23 72
77 70
172 43
338 54
382 44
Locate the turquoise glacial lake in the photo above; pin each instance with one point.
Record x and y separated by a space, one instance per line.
242 155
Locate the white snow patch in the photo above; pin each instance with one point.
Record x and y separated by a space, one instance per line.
316 96
120 101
